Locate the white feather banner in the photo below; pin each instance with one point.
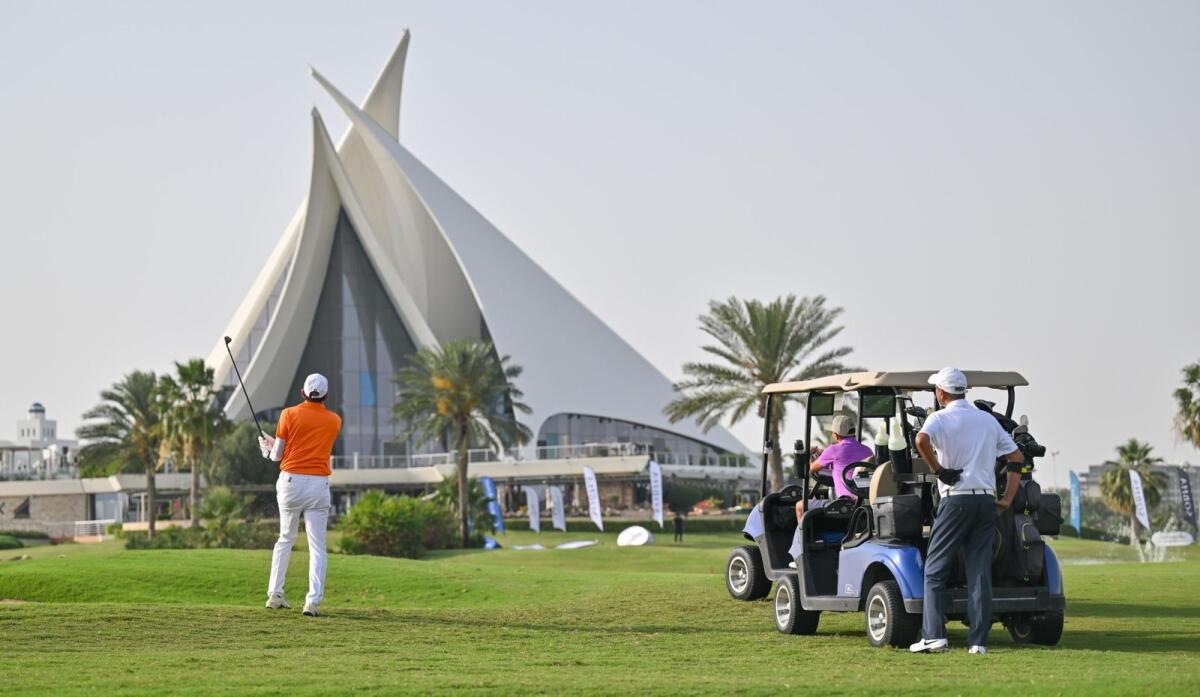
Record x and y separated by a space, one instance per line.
535 516
593 494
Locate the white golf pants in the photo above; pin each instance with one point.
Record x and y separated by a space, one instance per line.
301 495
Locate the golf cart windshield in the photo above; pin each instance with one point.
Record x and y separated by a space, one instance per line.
871 399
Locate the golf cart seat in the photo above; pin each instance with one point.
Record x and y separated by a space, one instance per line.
779 526
825 528
822 531
883 483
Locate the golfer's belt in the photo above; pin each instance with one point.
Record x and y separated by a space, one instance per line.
971 492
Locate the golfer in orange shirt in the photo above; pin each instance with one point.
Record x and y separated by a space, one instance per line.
302 446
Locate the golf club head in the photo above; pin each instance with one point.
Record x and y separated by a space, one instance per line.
228 341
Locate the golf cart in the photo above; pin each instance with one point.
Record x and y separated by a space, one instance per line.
868 555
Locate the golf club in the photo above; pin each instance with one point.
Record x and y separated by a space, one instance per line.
244 391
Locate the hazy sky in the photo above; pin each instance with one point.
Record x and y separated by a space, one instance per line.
997 186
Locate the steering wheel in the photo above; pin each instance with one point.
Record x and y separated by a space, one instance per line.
821 478
848 479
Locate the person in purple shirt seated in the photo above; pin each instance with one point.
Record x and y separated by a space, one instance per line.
843 452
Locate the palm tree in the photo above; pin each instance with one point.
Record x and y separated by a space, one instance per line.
126 427
192 422
758 344
462 393
1187 419
1115 488
446 494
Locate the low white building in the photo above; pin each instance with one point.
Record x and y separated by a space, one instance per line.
37 452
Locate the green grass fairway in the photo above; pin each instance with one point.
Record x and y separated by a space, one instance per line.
91 619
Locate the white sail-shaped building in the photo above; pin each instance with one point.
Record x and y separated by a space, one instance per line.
383 258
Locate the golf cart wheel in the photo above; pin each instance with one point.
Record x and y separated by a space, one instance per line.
887 622
790 618
744 575
1046 630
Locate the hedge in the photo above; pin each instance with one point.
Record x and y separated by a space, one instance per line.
719 524
10 542
1093 534
26 534
733 524
242 535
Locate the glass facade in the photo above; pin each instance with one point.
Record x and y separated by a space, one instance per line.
110 506
358 341
581 429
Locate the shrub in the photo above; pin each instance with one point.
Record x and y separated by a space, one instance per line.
237 535
253 536
10 542
115 530
397 526
680 497
222 511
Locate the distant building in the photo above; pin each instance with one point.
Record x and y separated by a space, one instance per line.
1089 481
38 452
62 507
383 259
58 507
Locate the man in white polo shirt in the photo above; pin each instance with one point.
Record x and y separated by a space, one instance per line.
961 444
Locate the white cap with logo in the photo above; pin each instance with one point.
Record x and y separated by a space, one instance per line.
316 386
950 380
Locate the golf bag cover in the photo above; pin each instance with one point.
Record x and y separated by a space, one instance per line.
1031 549
1028 499
1049 516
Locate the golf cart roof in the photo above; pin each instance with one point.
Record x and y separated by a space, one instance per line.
907 380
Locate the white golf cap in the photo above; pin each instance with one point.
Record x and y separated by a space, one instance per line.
316 386
950 380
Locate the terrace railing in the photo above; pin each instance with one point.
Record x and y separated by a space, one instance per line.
546 452
91 528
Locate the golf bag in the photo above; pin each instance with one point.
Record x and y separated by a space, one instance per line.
1022 552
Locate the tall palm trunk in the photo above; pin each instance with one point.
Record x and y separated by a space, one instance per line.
1133 536
201 449
151 501
776 456
463 497
192 495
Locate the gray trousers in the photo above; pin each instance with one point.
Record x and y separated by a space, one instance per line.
962 521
